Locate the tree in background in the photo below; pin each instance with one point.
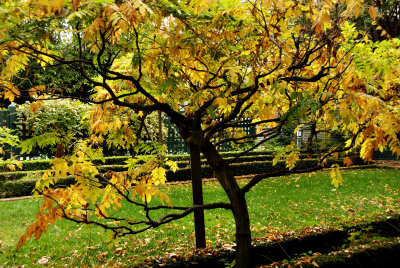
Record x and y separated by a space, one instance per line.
8 140
58 77
205 65
59 125
383 20
56 124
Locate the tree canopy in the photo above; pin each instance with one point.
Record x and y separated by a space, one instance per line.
206 65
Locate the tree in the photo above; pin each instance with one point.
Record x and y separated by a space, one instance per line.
383 19
62 123
7 141
57 77
205 65
58 123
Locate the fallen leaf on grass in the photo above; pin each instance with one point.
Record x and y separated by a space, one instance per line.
44 260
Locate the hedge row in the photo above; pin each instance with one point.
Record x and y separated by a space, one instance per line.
31 165
240 169
25 186
39 166
16 175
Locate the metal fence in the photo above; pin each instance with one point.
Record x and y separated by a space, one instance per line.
8 117
176 145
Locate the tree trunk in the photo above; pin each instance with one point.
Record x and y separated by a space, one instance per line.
240 212
243 233
191 133
313 133
197 190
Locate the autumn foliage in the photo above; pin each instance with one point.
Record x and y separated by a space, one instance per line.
205 64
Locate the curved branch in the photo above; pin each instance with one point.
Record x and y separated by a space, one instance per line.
258 178
278 131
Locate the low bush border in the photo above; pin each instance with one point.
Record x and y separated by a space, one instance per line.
25 187
10 188
326 241
30 165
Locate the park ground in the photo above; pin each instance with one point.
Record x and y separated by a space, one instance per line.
296 208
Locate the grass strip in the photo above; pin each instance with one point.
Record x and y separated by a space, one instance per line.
277 205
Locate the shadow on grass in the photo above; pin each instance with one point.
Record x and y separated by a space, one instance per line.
366 244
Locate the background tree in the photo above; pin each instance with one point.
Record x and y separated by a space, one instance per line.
57 126
55 76
383 20
205 65
58 123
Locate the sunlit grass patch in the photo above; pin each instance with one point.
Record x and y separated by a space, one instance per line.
276 205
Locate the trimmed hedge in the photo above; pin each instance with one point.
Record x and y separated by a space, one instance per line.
16 175
183 160
186 164
25 186
240 169
30 165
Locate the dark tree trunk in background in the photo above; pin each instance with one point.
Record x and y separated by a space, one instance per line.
313 133
197 190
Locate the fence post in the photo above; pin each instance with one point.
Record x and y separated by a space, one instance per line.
3 118
12 116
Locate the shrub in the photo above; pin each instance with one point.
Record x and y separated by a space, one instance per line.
25 186
22 183
54 126
53 116
17 175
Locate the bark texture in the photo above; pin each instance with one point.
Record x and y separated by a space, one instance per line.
240 212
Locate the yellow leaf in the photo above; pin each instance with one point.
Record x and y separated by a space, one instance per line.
372 12
75 4
356 11
11 167
221 102
172 165
367 150
292 159
166 198
36 89
347 161
58 4
10 94
159 175
336 176
148 198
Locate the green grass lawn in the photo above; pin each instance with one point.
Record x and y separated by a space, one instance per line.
276 205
